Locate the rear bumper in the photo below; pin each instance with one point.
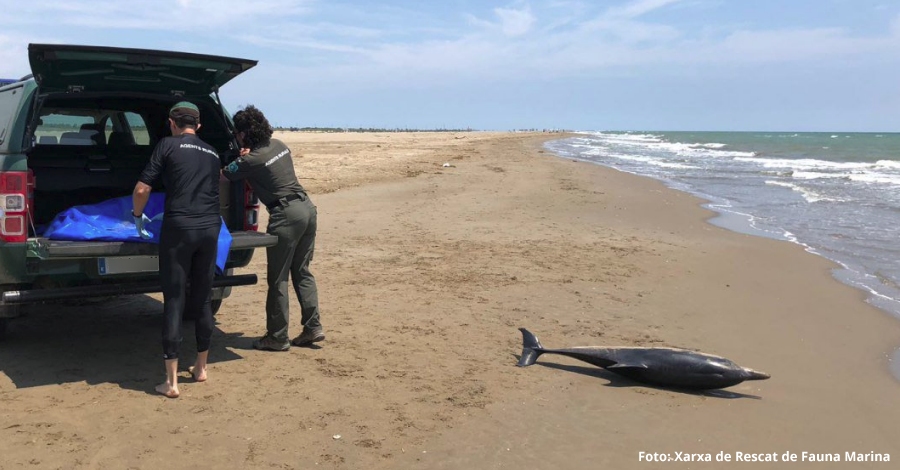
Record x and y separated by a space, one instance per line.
102 290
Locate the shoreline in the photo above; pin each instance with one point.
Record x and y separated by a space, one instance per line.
742 228
845 271
425 273
742 224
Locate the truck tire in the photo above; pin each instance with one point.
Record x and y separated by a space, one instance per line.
4 324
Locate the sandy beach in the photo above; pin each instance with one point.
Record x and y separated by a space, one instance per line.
433 249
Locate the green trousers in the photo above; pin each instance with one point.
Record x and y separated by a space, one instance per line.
295 227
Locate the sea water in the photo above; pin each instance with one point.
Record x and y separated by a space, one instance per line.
835 193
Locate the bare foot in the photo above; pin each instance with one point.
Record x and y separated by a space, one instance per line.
198 374
167 390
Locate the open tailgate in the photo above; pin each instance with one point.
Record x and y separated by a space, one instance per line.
46 249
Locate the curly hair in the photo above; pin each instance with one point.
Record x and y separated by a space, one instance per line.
253 123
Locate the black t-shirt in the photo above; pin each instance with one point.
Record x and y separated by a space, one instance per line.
189 169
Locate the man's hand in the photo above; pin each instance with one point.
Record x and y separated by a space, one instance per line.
140 223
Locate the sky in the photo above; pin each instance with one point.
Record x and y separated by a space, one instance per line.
643 65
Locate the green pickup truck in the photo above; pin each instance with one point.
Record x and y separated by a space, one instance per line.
79 130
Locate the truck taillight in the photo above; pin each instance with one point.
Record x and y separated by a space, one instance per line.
251 208
16 196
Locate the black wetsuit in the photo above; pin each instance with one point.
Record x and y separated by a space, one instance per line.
189 169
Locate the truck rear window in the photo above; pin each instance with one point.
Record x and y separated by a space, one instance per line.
91 127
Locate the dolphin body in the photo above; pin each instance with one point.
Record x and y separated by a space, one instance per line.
667 367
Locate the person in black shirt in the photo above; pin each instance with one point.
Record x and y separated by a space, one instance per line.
189 169
267 165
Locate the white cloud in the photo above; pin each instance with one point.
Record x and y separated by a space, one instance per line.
524 41
515 22
638 8
619 39
817 46
13 56
294 43
172 15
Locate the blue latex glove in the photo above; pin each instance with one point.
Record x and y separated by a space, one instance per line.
140 223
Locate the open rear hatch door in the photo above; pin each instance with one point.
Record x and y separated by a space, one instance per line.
62 68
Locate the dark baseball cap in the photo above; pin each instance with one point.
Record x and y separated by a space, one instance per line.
184 108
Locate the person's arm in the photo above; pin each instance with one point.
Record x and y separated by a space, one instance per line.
149 176
139 198
243 166
141 194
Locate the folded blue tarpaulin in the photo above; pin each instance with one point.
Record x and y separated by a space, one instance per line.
111 221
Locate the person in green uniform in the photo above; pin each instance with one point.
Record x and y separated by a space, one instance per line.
267 165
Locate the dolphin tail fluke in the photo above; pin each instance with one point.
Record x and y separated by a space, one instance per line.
756 375
531 348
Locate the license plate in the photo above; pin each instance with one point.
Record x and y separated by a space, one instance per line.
128 264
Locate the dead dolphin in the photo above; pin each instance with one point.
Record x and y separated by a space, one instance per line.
667 367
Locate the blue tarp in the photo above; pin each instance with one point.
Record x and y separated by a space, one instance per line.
111 220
